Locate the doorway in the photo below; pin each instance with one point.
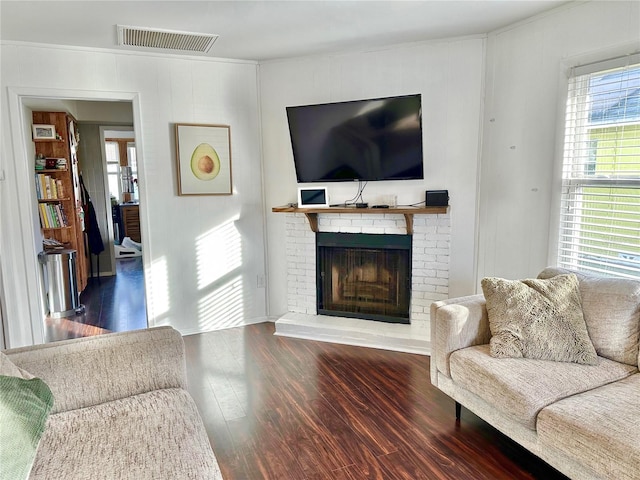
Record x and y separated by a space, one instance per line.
114 299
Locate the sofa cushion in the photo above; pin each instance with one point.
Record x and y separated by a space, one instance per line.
152 435
521 387
88 371
611 308
600 428
540 319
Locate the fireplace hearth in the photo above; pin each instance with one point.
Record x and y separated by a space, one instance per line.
365 276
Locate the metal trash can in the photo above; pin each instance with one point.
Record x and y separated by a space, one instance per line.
59 270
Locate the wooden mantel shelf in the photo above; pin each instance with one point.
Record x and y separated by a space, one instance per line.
408 212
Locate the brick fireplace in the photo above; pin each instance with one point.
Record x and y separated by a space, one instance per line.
429 280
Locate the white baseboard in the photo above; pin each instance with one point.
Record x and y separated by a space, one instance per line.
248 321
109 273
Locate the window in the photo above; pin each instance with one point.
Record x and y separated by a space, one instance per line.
600 206
122 169
133 163
113 169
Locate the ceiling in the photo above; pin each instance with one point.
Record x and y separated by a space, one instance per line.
264 30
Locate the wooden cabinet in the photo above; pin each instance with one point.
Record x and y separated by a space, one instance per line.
130 215
58 189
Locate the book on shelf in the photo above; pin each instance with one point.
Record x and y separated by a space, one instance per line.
40 186
61 163
43 186
59 188
52 244
64 216
61 217
44 222
52 215
48 187
38 190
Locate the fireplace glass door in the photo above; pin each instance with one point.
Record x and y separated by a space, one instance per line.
364 276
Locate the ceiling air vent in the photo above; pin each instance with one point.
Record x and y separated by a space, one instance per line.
165 39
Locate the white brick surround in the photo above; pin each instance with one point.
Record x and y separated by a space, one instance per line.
430 280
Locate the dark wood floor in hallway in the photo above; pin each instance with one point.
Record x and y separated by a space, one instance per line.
287 409
112 304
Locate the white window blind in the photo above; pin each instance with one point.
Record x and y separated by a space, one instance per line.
600 207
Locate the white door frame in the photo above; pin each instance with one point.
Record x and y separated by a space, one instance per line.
24 321
103 150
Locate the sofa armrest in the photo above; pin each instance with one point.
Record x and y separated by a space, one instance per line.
94 370
456 323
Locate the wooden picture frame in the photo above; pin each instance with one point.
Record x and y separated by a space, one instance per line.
203 156
43 132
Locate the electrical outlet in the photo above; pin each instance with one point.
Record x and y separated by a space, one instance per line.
261 281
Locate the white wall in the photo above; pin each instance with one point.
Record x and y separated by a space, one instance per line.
105 113
525 95
202 254
448 74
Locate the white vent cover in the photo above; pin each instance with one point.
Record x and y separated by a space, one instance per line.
165 39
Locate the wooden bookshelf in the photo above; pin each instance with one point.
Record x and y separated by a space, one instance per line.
70 235
408 212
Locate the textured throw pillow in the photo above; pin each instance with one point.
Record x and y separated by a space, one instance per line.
24 408
539 319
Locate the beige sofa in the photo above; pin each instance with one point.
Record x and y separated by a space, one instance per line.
584 420
121 409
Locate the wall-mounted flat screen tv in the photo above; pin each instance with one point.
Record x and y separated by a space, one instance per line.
375 139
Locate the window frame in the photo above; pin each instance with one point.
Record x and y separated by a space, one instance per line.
585 176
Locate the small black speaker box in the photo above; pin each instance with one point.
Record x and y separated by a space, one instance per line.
437 198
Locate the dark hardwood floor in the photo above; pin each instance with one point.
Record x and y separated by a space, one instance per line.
117 303
287 409
112 304
277 408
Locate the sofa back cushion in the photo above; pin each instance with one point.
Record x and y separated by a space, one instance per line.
611 308
84 372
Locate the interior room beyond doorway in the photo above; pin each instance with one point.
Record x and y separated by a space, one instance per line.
114 296
111 304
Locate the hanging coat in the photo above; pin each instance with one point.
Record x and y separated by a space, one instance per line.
92 230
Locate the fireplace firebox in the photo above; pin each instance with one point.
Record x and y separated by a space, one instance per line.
364 276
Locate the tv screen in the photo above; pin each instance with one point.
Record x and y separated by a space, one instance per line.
375 139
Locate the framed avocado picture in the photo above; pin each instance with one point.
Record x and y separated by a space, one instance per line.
203 155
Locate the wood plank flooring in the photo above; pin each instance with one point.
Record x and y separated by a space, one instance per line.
116 303
112 304
287 409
